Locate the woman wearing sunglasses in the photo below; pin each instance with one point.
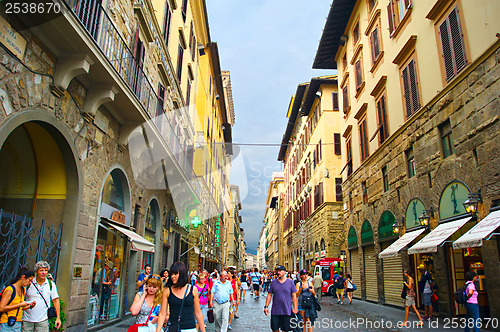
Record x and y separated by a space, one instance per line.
148 301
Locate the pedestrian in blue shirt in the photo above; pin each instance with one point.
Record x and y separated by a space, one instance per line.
221 298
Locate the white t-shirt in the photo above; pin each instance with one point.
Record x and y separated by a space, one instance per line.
39 312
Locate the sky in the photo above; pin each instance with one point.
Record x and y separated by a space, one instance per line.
269 48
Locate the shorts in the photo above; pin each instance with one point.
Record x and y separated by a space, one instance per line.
410 300
340 291
256 287
427 299
39 326
280 322
244 286
349 290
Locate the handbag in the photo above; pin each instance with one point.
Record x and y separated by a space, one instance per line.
353 286
210 315
141 327
434 297
51 311
403 292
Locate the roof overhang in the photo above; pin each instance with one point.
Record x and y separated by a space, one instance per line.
336 23
314 86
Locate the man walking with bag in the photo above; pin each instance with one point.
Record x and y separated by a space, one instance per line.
283 293
41 290
318 283
221 298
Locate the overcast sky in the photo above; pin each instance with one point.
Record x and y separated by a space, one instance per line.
269 48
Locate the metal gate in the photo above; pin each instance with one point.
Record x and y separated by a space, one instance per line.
370 273
23 245
355 270
393 278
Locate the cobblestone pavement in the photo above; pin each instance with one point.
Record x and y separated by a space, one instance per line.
359 316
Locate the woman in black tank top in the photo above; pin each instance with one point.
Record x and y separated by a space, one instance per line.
177 290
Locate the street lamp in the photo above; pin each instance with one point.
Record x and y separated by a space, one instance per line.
472 202
426 216
398 224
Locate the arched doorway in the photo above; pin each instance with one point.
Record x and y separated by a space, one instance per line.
39 179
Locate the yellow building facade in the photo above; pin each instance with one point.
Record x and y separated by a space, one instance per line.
418 81
310 150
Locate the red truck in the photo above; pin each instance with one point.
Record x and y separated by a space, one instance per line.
327 268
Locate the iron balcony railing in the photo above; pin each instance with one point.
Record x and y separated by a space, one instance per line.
108 38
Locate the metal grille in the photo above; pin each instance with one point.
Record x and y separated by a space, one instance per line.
393 279
370 273
22 245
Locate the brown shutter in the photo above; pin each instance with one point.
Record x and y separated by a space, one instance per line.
390 14
407 4
444 32
335 97
336 140
457 40
357 67
338 189
375 44
345 99
407 95
415 100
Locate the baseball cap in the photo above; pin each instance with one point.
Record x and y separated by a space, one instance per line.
280 267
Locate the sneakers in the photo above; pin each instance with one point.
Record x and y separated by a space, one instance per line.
229 327
341 302
338 301
425 317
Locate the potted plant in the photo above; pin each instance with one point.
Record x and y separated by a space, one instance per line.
52 321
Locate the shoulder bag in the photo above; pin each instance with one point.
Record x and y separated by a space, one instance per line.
403 292
51 311
141 327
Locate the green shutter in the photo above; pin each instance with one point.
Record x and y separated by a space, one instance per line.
366 233
387 219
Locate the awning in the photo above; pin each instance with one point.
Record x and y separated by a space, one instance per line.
437 236
395 248
474 237
137 241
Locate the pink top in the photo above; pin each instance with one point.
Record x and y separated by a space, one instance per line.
203 293
473 298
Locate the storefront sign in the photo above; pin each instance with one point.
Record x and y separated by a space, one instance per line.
451 200
12 39
217 231
323 253
316 255
118 216
196 222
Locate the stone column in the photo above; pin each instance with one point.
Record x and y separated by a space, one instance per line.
491 263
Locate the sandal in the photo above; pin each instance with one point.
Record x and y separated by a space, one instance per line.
402 325
420 324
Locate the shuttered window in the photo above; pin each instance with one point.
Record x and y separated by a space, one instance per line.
363 139
338 189
184 9
192 42
188 92
452 44
166 23
180 55
349 156
336 144
375 45
410 84
359 75
345 98
335 97
390 15
382 120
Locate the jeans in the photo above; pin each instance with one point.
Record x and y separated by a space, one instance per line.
6 328
204 310
221 315
472 312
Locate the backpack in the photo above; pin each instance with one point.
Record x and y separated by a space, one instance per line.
307 301
11 297
460 295
339 283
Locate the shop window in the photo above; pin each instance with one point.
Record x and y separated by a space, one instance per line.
452 44
322 244
410 162
112 193
410 85
107 285
385 179
446 139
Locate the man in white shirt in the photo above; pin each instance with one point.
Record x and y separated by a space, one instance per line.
221 297
41 290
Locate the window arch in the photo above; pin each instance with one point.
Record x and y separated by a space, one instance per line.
316 247
322 244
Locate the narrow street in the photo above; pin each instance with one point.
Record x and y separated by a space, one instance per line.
359 316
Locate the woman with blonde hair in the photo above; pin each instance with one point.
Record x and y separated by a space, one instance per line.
148 301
